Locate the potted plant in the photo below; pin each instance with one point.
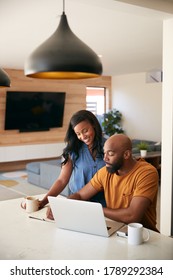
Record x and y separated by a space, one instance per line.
143 147
112 122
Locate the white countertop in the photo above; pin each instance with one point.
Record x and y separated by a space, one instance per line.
22 238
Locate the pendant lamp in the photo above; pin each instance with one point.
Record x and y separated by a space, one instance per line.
4 79
63 56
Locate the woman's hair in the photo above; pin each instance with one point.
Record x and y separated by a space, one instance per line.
73 143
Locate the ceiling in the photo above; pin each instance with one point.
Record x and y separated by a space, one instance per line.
128 37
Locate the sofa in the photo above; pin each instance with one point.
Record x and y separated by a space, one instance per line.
153 146
44 174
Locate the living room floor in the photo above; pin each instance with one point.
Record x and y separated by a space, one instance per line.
16 187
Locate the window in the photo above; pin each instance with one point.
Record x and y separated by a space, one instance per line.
96 100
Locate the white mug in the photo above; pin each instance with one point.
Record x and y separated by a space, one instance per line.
136 234
30 204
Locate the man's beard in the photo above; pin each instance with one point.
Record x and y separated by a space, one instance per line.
113 168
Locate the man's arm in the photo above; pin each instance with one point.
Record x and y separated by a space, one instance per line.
134 213
85 193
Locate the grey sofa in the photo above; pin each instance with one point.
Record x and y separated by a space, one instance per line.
44 174
152 145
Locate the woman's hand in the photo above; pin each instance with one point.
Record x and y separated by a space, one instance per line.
23 205
40 204
49 214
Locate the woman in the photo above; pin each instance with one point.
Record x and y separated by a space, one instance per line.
82 156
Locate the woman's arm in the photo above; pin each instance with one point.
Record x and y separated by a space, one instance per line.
60 182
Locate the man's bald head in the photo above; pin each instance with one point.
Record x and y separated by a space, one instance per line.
118 154
119 142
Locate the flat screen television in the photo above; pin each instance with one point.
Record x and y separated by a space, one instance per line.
34 111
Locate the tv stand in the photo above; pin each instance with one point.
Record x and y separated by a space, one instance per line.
16 153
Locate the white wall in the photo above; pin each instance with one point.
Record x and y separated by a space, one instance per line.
140 104
166 215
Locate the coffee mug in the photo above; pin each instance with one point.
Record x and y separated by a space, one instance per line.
136 233
30 204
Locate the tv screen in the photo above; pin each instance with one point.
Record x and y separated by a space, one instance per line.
34 111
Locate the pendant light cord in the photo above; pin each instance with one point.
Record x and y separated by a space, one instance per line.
64 6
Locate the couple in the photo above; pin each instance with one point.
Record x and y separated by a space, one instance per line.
106 173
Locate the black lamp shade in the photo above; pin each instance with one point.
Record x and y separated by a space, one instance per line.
4 79
63 56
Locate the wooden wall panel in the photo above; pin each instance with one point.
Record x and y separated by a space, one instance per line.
75 100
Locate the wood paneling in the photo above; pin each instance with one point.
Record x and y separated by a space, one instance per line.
75 100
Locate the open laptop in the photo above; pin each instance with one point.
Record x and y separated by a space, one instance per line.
82 216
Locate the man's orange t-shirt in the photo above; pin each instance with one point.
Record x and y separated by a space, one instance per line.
142 180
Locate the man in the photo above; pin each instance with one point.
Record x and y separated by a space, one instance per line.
130 186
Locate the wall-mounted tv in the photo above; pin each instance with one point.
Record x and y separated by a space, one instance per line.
34 111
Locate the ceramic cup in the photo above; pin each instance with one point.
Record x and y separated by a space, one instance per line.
137 234
30 204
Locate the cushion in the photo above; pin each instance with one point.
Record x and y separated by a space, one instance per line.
33 167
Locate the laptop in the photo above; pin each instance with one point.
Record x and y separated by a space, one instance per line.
82 216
